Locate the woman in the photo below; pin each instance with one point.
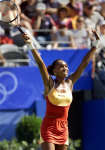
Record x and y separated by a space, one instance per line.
58 95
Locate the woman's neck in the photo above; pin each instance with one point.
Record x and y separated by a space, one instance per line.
60 80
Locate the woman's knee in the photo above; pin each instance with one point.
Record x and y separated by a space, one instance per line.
47 146
61 147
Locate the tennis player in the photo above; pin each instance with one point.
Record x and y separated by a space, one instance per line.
58 96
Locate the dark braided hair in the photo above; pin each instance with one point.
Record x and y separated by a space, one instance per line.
50 68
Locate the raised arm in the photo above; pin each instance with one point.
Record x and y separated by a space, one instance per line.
39 61
76 75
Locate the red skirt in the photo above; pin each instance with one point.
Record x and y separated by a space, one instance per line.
54 131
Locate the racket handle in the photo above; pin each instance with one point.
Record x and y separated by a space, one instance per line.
19 28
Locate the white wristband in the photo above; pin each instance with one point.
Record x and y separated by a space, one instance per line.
31 46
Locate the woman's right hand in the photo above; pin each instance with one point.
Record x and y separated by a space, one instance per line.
27 39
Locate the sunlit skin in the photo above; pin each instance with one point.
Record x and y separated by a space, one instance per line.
61 70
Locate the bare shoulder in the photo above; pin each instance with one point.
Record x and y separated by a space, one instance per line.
70 83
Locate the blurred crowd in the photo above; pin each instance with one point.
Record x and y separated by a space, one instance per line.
54 24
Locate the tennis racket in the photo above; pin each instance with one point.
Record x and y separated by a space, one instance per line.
9 15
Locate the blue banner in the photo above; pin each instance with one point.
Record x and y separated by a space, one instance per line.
20 87
93 125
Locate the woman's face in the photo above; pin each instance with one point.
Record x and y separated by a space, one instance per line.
61 69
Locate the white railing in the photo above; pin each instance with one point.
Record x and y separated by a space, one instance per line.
40 44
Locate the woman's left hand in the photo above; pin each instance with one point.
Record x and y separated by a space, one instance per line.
96 34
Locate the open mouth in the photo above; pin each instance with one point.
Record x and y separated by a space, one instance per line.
65 72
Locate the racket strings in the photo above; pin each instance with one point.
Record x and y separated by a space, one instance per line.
8 11
9 14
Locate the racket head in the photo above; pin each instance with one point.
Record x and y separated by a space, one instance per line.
8 11
9 14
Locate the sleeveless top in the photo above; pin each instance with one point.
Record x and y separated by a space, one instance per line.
60 96
54 126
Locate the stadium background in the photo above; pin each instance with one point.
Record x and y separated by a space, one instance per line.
86 114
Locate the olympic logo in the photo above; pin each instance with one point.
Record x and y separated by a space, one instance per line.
8 85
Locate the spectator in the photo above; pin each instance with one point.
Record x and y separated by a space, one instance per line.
52 8
101 29
73 14
92 17
77 4
63 18
99 65
5 37
80 34
5 40
98 5
28 8
62 38
44 23
100 61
